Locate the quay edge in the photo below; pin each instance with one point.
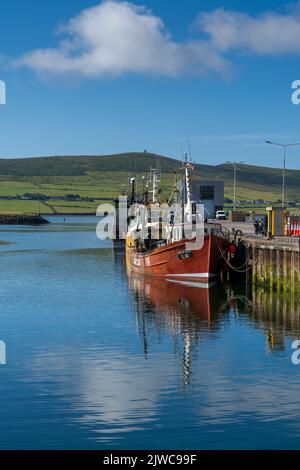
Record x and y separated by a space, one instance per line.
274 264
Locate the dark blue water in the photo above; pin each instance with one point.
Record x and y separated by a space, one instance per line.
99 361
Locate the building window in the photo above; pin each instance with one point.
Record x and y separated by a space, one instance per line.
207 192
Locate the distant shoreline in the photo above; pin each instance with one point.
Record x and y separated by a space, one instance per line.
22 219
69 214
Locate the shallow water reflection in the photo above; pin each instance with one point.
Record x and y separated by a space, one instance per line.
99 360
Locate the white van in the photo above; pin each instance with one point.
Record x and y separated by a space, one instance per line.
221 215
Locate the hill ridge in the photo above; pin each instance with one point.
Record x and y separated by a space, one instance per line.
108 173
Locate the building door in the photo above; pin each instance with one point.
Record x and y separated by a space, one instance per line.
207 197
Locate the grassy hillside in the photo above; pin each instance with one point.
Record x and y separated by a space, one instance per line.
107 176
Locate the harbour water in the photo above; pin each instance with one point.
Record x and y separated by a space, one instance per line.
95 360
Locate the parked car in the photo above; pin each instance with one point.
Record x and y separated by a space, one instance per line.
221 215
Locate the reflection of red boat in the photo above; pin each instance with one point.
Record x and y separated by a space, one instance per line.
176 298
185 312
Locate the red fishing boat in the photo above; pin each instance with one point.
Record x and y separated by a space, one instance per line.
174 257
174 262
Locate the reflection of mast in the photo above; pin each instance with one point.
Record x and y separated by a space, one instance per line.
187 358
180 310
139 311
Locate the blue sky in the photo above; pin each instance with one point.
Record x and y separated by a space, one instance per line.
222 78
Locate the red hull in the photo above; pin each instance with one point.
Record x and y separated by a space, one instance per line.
167 261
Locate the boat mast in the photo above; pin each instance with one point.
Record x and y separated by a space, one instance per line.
146 194
133 190
188 185
154 185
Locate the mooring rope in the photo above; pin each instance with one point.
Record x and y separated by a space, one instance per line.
239 269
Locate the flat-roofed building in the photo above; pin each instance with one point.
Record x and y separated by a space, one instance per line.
209 193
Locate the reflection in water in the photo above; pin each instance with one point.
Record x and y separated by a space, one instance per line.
209 340
189 312
278 314
184 311
95 364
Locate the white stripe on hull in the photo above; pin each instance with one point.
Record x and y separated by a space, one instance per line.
201 285
199 275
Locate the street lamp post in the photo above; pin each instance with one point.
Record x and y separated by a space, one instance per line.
284 146
235 164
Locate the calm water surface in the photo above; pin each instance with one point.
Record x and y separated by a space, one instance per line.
99 361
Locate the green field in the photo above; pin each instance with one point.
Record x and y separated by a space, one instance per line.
59 207
105 177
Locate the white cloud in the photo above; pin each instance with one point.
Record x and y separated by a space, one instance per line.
268 33
118 37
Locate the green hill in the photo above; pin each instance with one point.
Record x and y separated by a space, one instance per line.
106 176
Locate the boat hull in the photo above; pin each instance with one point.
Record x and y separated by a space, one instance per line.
176 263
